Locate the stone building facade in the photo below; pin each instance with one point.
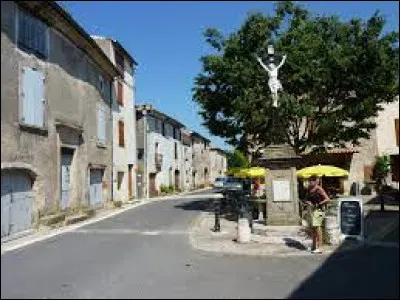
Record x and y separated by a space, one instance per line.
359 160
55 115
160 150
218 163
124 120
201 175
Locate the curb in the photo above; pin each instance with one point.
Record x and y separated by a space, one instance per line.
35 236
245 252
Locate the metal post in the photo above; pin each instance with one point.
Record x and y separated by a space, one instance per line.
217 223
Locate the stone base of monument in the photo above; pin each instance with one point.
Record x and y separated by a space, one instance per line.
282 205
243 231
283 220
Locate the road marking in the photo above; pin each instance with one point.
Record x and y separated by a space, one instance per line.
150 232
40 236
132 231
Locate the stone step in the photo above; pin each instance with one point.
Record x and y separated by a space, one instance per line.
75 219
52 219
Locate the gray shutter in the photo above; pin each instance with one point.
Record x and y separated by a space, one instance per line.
33 97
101 129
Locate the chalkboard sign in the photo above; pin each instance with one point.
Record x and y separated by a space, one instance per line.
351 217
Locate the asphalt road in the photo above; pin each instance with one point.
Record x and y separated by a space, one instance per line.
144 253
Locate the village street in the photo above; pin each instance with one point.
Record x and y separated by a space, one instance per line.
145 253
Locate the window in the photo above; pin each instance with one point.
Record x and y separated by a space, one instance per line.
101 124
101 84
156 148
32 97
120 93
157 125
120 177
121 133
151 124
177 133
163 128
32 34
396 126
176 150
119 61
140 153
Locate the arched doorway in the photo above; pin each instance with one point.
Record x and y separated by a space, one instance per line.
16 201
152 185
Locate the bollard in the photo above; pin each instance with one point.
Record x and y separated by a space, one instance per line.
243 231
217 223
245 219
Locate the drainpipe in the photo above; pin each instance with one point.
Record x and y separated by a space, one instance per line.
112 138
146 176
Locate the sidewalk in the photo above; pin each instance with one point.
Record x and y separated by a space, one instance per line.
44 232
381 229
266 240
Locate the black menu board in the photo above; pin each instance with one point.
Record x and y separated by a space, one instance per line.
351 217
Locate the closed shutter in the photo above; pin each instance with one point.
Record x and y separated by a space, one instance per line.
32 110
32 33
101 129
396 125
121 132
120 93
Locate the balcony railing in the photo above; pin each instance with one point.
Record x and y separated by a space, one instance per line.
158 161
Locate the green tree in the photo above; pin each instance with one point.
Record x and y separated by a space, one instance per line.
335 79
237 159
379 174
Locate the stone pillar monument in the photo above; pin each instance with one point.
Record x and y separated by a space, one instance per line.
281 185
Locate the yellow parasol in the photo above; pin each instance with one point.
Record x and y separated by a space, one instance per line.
252 172
232 171
322 170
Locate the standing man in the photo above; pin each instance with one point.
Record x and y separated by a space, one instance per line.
316 199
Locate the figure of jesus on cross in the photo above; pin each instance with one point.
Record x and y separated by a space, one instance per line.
273 82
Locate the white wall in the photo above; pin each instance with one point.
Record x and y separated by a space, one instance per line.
385 130
122 156
166 176
188 167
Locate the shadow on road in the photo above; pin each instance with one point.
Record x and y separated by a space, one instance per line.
294 244
363 273
197 205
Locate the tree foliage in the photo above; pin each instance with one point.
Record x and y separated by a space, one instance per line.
336 77
381 169
237 159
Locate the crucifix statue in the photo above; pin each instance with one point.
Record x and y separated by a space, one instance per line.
273 82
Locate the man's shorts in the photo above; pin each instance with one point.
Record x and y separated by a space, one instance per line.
317 217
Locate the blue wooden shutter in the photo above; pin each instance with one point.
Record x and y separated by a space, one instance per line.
32 97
